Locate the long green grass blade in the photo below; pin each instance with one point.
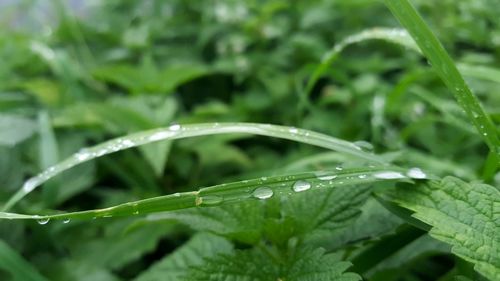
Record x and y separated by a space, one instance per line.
446 69
255 189
192 130
394 35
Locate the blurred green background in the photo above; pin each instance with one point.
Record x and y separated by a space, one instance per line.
76 73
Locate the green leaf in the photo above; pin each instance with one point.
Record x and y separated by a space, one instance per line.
462 215
256 189
321 214
175 266
14 129
394 35
186 131
447 70
260 265
19 269
224 220
122 247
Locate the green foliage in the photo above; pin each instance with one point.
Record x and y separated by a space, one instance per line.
462 215
249 140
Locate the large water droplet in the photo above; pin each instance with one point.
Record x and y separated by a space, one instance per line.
389 175
65 221
43 221
299 186
211 200
416 173
174 127
263 193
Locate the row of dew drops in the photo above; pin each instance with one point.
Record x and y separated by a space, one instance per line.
265 192
303 185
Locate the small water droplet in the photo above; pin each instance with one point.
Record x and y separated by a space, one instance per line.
326 177
338 168
65 221
43 221
416 173
293 130
211 200
389 175
364 145
82 155
362 176
174 127
263 193
159 136
29 185
301 185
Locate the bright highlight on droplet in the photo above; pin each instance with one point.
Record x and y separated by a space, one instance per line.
175 127
389 175
43 221
300 186
211 200
416 173
263 193
327 177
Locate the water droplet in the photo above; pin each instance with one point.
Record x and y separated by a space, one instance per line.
159 136
82 155
416 173
30 184
364 145
389 175
293 130
174 127
135 210
338 168
300 186
43 221
211 200
65 221
362 176
263 193
326 177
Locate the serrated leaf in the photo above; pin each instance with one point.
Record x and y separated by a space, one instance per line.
173 267
258 265
461 214
224 220
320 214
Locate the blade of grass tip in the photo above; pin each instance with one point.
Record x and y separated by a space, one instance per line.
395 35
192 130
255 189
437 56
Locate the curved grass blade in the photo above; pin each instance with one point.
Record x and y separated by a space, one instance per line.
255 189
192 130
394 35
447 71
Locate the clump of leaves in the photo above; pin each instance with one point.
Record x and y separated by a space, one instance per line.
348 214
